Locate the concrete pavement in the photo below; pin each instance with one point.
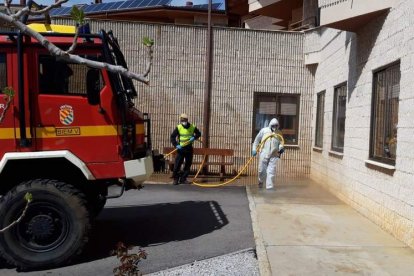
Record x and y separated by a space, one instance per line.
302 229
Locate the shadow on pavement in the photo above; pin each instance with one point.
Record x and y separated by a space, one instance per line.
148 225
151 224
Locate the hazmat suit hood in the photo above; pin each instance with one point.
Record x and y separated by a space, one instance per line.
271 146
273 122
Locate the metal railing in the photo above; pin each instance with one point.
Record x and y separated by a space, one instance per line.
302 24
328 3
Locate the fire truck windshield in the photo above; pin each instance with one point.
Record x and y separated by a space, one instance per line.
57 76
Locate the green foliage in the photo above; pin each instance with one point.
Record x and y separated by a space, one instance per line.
147 41
129 262
28 197
77 15
9 91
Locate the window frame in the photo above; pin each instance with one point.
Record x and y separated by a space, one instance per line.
68 94
317 122
334 111
372 157
256 97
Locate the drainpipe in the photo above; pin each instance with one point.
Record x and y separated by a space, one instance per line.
207 86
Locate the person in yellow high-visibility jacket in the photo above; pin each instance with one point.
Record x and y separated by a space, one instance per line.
182 139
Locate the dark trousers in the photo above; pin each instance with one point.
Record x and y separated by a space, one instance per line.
186 154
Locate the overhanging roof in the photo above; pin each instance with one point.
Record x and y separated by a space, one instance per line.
281 9
237 7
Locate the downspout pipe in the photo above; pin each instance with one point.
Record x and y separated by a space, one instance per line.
207 86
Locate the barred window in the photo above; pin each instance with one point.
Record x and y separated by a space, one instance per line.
3 71
57 76
338 124
320 110
284 107
384 120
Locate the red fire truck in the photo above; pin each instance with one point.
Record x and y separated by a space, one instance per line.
67 134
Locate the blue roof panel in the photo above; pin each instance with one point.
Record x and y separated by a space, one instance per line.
95 7
105 6
125 4
117 5
88 8
128 5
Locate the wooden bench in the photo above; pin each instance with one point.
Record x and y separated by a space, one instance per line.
222 153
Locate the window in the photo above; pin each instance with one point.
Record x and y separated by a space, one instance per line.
320 106
60 77
3 72
284 107
338 123
384 120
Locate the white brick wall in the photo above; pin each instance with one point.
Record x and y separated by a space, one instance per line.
244 62
385 198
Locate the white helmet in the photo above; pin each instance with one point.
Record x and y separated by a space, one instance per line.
183 116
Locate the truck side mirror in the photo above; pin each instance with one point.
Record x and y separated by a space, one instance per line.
93 87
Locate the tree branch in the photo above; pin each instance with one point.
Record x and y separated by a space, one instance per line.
75 41
17 220
27 10
56 51
150 59
7 4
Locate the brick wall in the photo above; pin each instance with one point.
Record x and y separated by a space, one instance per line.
386 197
244 62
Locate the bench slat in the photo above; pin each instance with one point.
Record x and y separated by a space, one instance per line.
215 163
208 163
204 151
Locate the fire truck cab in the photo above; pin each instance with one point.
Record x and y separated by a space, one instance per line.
66 135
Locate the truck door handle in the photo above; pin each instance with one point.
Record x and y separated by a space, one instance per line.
41 125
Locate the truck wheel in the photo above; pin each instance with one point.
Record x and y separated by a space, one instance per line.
54 229
97 204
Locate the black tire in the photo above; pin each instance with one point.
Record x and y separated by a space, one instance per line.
96 205
54 229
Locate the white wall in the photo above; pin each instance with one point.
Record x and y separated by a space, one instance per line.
263 23
386 197
334 10
258 4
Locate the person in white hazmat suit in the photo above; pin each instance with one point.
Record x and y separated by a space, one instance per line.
269 154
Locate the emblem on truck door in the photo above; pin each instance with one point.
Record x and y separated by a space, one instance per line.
66 115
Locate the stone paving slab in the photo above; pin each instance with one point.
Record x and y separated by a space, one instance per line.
294 193
313 260
302 229
329 225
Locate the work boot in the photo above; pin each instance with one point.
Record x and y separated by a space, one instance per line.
175 182
260 185
184 181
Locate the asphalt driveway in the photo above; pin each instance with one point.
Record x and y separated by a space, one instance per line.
175 225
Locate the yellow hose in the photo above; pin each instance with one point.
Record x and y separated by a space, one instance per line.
215 185
174 150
